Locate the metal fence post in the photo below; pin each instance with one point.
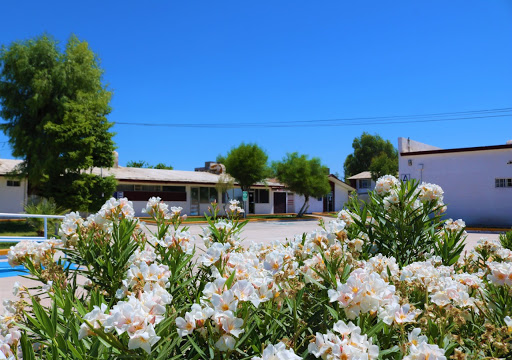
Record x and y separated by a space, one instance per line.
45 228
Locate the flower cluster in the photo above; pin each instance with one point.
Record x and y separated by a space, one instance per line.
37 252
349 344
420 349
234 210
277 352
271 300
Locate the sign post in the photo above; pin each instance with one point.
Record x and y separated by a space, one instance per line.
245 196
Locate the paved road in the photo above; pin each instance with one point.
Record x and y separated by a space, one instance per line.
254 232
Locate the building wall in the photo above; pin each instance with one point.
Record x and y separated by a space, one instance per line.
468 181
13 198
315 205
340 197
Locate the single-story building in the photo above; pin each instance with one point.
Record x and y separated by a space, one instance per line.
192 190
363 183
477 181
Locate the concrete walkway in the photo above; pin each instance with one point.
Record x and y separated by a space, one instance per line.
257 232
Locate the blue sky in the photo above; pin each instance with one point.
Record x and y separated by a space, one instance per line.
266 61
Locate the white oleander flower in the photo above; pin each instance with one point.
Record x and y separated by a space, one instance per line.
277 352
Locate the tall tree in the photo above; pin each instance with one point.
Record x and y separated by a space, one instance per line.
145 164
247 164
366 148
303 176
55 107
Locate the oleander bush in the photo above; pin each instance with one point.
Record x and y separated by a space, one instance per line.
388 280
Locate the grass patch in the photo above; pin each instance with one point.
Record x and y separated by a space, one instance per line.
16 228
7 245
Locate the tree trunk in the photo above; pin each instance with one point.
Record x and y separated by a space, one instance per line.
304 207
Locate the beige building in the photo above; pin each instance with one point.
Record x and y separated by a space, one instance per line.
192 190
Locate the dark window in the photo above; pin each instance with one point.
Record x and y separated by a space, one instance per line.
261 196
150 188
13 183
501 183
124 187
204 195
364 184
174 188
207 195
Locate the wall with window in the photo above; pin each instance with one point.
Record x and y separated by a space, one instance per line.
263 201
12 195
471 182
139 194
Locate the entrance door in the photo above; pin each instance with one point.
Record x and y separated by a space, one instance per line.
194 201
279 202
251 202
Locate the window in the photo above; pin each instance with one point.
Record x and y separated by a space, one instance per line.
124 187
181 189
207 195
364 183
13 183
261 196
501 183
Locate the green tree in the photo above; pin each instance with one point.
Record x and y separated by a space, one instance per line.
247 164
162 166
145 164
366 148
382 165
137 164
55 107
303 176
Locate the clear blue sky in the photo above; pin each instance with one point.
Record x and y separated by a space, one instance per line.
266 61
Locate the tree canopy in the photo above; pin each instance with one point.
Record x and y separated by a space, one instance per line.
55 107
247 164
145 164
371 153
303 176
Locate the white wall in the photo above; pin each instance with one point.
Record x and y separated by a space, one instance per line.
467 179
408 145
315 205
340 197
12 198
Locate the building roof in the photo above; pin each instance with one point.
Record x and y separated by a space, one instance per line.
335 179
168 176
8 165
467 149
361 175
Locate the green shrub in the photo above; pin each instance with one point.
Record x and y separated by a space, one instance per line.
42 206
506 240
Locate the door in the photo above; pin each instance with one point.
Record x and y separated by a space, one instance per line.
194 201
251 202
279 202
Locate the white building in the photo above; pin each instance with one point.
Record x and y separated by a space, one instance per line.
192 190
477 181
363 184
13 191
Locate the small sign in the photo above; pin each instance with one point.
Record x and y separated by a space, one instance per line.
245 195
119 194
406 177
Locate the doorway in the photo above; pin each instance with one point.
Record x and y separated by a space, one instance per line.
279 202
251 202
